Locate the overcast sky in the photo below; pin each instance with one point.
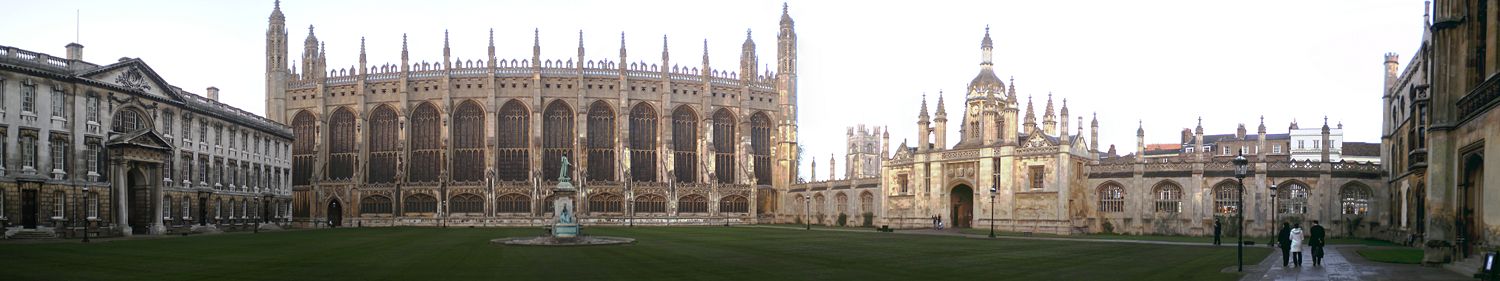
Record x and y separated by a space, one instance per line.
1163 62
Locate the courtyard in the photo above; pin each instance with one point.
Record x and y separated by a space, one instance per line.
661 253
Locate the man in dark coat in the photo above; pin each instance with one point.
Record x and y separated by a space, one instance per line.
1217 229
1316 242
1284 239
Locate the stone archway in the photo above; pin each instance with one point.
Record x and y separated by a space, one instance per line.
335 213
141 205
961 206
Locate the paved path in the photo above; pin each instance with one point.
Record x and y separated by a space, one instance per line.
1340 262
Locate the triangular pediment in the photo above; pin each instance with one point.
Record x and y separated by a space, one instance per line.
1037 140
132 75
142 138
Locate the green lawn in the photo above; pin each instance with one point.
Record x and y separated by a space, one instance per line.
661 253
1392 255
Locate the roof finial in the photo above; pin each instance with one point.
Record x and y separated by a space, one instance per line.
783 8
492 37
278 4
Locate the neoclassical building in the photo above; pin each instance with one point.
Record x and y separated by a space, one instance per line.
1036 170
480 142
118 147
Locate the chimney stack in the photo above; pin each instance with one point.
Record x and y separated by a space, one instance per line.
213 93
75 51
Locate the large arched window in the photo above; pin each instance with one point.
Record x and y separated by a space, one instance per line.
734 204
129 120
1111 198
866 203
341 151
606 203
420 203
513 153
684 144
601 142
304 153
1226 198
650 203
760 147
557 139
1354 199
1293 198
513 203
724 146
385 148
375 204
643 156
841 202
426 144
468 142
1168 198
466 203
692 203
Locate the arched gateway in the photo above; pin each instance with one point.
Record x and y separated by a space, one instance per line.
961 206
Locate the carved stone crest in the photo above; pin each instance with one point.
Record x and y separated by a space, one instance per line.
133 79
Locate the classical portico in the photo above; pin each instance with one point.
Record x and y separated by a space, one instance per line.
136 163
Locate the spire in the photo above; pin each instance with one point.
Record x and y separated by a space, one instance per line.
580 48
922 116
1095 122
622 48
1011 93
1140 128
664 55
985 47
1199 130
447 53
1049 113
786 17
403 49
1030 115
1262 129
492 44
536 44
361 52
276 16
705 54
942 111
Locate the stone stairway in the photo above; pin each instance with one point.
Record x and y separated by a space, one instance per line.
34 235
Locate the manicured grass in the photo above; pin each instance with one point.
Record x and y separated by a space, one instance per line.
1167 238
661 253
1361 241
1392 255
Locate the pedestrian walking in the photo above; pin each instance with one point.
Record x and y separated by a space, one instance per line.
1297 241
1284 240
1218 228
1316 242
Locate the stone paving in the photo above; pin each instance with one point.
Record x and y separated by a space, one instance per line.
1340 262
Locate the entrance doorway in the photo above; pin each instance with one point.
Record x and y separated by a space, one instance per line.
335 213
139 198
1470 183
962 206
265 211
28 208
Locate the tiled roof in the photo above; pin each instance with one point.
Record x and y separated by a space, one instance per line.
1361 149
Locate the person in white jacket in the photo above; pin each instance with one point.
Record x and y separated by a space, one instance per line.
1297 241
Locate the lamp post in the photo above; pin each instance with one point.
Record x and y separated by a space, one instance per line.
1274 194
807 211
85 214
1240 169
992 211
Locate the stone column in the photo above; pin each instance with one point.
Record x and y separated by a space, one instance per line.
121 180
155 173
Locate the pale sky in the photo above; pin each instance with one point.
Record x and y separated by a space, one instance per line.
1163 62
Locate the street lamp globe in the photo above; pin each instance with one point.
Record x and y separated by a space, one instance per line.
1241 166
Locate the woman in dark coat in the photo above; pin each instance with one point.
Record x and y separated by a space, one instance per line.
1284 239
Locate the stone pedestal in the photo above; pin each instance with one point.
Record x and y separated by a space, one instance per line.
565 224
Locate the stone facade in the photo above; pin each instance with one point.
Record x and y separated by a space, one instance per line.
1440 134
479 142
120 148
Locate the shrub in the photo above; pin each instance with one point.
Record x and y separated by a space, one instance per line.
798 220
869 219
1107 227
843 219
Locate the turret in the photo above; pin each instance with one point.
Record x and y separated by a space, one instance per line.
1049 121
310 57
940 124
748 60
885 142
786 88
924 131
1392 69
1325 145
1094 134
1198 141
1062 129
1261 141
1140 141
276 66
